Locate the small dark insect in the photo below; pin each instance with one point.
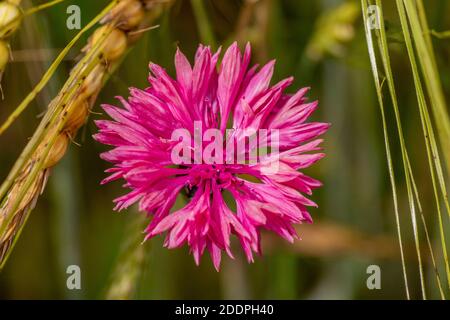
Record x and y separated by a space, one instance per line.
190 191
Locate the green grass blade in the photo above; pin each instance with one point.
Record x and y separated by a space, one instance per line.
427 235
42 6
431 76
384 52
378 87
430 141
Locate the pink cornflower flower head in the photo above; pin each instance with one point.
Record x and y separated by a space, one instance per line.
210 97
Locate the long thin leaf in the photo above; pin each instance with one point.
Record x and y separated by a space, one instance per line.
431 75
384 52
430 141
378 87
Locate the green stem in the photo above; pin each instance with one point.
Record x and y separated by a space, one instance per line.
203 23
128 269
379 92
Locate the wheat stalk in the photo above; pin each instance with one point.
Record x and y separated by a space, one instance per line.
121 23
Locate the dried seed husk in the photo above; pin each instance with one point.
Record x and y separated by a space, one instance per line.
77 116
93 82
10 17
129 14
149 4
34 188
4 55
57 151
115 43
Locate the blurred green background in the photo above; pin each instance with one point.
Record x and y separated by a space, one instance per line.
322 44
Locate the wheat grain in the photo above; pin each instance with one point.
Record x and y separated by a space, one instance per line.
10 18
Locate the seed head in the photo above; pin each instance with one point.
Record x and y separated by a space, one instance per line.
115 43
10 17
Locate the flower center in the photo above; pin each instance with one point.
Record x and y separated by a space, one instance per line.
218 174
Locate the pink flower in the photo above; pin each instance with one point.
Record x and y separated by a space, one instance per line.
236 96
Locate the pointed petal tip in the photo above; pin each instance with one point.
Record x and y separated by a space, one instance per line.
308 219
234 44
179 53
154 68
98 123
95 136
105 105
320 155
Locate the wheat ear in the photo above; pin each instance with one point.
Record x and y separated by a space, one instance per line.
68 111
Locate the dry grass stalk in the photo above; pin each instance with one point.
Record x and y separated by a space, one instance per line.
68 112
328 239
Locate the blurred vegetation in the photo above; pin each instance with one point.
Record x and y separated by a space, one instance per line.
323 45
